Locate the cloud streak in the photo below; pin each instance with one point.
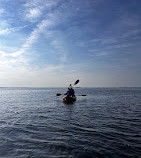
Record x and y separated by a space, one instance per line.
33 13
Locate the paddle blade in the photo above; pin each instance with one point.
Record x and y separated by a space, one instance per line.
58 94
76 82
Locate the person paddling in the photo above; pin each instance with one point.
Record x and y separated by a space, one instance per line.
70 92
70 95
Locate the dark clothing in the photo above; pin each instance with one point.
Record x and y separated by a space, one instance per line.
70 92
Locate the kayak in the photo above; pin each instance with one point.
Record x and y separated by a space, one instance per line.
69 100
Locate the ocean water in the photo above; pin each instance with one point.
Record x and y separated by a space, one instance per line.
35 123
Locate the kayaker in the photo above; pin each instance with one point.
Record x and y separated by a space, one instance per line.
70 91
69 96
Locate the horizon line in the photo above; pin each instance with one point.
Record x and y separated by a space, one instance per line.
74 87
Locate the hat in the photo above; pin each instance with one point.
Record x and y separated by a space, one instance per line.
70 87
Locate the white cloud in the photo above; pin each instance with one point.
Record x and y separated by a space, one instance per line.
2 53
34 9
33 37
38 3
15 72
8 30
5 31
22 76
33 13
4 27
50 76
42 26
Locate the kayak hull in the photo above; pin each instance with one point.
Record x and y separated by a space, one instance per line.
69 100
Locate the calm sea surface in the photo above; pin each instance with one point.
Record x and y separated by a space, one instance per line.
35 123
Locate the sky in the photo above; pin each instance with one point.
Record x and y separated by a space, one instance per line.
52 43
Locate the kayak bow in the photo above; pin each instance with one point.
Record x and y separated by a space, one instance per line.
69 100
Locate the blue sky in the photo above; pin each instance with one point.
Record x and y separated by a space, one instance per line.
47 43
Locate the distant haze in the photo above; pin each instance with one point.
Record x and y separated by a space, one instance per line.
52 43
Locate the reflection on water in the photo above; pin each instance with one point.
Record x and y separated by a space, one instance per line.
36 123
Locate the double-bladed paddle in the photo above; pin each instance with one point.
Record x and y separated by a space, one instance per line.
58 94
